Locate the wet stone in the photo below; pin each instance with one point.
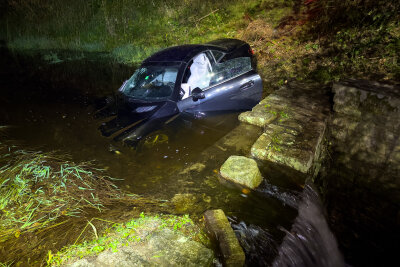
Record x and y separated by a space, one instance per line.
365 131
257 117
294 138
165 248
158 247
196 167
184 202
274 149
241 170
221 231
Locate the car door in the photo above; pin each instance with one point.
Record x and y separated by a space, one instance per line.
233 85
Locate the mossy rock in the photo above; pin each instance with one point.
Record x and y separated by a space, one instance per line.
241 170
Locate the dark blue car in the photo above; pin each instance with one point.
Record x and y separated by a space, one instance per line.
192 79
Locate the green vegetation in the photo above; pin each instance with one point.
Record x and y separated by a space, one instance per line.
325 41
130 30
36 189
318 40
123 234
276 143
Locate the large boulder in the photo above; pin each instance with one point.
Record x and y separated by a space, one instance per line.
241 170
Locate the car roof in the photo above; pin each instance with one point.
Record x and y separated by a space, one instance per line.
183 53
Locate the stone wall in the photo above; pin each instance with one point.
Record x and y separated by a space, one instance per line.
293 120
362 185
365 131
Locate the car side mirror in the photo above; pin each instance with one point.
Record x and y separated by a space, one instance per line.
197 94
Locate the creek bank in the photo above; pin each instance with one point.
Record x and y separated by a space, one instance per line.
293 120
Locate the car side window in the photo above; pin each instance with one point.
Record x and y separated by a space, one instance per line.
217 55
229 69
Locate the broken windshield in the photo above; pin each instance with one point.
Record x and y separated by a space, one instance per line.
151 82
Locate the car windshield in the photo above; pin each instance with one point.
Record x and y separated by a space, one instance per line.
151 82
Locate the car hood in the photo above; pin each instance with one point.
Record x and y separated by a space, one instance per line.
128 113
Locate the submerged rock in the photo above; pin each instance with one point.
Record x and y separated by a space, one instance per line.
219 229
241 170
196 167
184 202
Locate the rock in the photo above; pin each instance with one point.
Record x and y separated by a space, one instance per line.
241 170
257 116
362 185
289 147
164 248
366 133
221 231
197 167
158 245
294 137
184 202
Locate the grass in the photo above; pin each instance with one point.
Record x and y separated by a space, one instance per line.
313 40
122 234
319 43
36 189
130 30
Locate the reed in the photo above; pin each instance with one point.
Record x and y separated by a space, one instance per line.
38 188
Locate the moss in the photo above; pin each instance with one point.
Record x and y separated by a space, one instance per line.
122 234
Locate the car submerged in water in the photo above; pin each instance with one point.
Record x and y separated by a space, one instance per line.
196 80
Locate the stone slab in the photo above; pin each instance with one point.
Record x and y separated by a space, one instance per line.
221 231
241 170
294 137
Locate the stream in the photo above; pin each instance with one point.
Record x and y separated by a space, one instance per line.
50 107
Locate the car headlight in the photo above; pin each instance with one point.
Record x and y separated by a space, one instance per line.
145 109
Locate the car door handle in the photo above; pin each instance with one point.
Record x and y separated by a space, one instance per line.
247 85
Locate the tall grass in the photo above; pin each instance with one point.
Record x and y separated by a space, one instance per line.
37 189
132 29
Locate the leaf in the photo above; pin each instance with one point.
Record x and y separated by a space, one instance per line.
17 234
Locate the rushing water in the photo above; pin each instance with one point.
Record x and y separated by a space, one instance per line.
51 108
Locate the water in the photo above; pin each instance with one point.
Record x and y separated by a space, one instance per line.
51 107
310 241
